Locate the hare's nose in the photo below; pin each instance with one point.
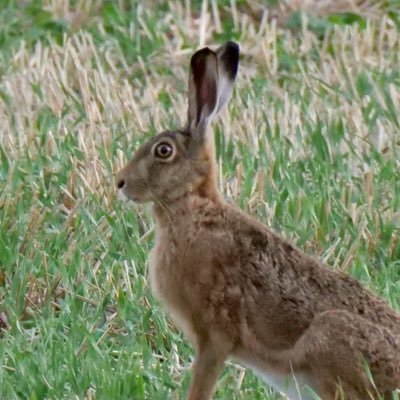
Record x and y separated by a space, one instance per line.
120 183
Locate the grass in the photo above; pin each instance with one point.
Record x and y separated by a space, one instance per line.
309 145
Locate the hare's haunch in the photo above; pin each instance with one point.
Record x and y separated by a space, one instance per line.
239 290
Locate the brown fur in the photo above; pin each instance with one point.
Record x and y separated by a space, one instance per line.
239 290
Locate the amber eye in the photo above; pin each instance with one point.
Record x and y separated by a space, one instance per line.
163 150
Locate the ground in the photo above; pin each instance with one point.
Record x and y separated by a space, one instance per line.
309 145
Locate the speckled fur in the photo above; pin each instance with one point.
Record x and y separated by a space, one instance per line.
237 289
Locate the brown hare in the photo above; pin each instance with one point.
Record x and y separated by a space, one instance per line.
239 290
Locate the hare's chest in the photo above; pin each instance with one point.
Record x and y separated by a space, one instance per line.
165 274
162 266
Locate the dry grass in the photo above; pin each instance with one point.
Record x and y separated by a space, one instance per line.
98 79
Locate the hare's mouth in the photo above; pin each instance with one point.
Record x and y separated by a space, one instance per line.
124 197
129 197
136 199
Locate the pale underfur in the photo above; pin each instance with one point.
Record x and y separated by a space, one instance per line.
239 290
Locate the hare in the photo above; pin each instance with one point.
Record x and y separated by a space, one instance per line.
239 290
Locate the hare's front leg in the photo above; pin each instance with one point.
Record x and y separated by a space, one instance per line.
209 361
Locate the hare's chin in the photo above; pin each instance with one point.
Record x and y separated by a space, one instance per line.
122 196
128 199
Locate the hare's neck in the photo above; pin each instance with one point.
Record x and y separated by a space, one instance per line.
184 207
208 188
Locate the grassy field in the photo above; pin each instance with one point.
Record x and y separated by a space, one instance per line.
309 144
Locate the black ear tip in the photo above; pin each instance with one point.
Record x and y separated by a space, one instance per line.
230 56
200 55
232 46
200 59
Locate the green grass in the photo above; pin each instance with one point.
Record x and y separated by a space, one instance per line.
309 145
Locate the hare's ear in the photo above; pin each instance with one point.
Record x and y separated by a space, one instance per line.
228 63
203 88
212 75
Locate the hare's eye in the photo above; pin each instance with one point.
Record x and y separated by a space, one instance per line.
163 150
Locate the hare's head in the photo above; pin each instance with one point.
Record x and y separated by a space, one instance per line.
176 163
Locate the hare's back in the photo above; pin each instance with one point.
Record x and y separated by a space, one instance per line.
279 285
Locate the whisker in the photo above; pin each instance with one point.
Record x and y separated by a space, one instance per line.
167 210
